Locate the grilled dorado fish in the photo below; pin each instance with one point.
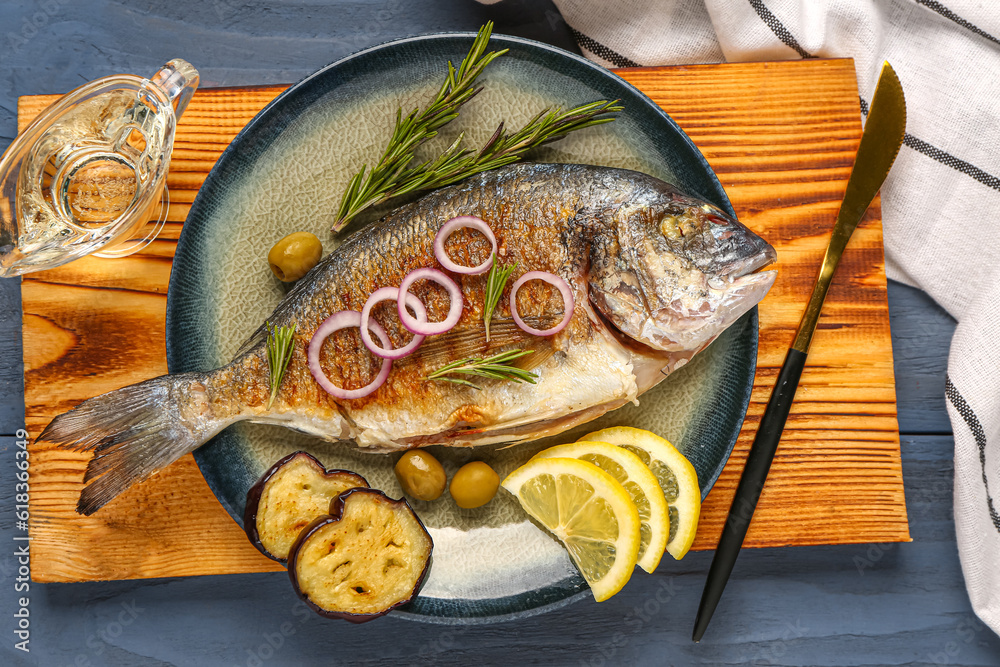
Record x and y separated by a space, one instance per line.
656 275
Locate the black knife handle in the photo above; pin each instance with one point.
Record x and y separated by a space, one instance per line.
765 443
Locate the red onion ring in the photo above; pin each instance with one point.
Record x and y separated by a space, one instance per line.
555 281
391 294
430 328
336 322
450 227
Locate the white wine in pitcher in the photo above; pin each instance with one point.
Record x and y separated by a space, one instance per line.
89 172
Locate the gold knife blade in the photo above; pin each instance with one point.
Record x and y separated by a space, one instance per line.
880 143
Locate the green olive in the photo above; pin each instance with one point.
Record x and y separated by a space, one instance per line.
293 256
420 475
474 485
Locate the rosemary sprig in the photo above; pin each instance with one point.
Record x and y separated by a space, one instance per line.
496 367
495 282
280 343
502 148
391 177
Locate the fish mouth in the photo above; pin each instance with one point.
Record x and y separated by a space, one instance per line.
749 289
675 328
750 283
753 264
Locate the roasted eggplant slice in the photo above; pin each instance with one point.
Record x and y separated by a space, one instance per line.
369 556
288 497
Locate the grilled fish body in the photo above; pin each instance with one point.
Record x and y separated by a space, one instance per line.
656 276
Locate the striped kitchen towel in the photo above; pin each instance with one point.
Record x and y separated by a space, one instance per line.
940 204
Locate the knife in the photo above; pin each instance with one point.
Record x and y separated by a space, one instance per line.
880 142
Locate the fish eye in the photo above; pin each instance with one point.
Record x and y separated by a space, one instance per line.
670 227
678 225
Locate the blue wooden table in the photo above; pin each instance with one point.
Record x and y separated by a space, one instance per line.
873 604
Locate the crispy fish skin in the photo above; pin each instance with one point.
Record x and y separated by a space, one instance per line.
656 276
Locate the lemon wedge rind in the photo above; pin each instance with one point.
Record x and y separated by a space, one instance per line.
675 473
640 483
588 511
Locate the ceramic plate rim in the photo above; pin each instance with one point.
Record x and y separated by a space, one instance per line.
197 214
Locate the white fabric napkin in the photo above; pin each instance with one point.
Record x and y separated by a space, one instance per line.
940 204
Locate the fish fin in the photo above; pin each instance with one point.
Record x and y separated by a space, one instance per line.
471 341
543 351
133 432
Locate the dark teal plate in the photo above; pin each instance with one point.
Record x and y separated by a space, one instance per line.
286 171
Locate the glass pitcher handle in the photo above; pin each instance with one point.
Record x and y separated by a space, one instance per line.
178 79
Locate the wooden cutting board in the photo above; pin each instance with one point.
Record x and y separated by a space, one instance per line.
781 136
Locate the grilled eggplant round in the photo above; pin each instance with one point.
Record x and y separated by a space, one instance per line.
291 494
368 557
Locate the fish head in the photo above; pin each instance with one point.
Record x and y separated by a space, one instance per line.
672 272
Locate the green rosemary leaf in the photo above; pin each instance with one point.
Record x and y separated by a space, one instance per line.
495 283
280 344
393 175
415 128
496 367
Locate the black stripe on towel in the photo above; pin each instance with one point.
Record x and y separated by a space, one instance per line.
947 159
952 16
778 28
950 160
918 145
972 422
601 51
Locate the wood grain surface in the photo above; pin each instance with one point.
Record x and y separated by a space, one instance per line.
781 136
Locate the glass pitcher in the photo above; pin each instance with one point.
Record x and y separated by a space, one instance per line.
88 173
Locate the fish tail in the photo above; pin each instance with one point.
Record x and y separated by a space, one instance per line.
137 431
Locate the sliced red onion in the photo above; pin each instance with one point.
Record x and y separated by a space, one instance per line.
555 281
336 322
451 226
391 294
426 328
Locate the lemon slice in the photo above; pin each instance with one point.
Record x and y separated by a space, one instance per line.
590 513
642 487
675 474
